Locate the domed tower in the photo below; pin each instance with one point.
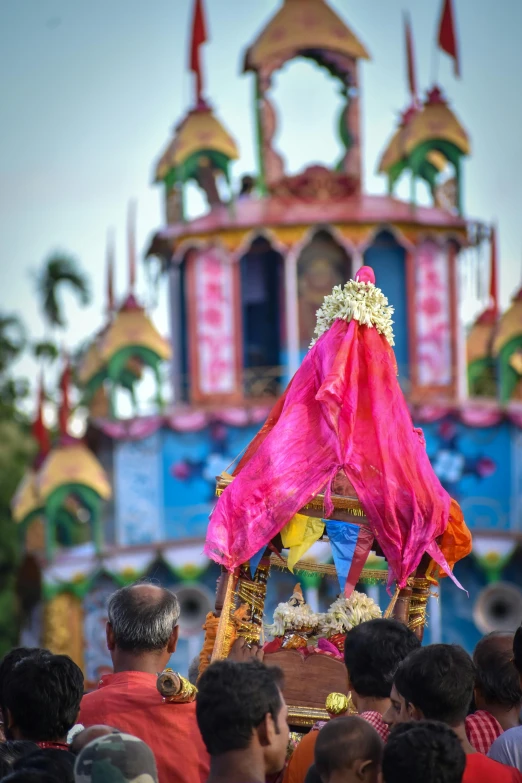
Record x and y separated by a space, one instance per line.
309 29
201 149
247 277
428 141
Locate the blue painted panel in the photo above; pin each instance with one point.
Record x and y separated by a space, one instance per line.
388 261
190 464
474 465
138 492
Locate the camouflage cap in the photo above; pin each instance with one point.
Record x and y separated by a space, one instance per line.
116 758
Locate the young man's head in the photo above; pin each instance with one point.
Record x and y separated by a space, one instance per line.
497 682
372 653
423 752
348 750
242 715
42 698
7 663
433 683
142 627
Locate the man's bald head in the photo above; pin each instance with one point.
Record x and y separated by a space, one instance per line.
88 735
142 618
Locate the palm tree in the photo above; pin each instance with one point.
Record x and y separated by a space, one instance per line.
45 351
60 272
12 339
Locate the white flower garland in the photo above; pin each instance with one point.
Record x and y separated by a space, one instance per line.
345 613
293 618
363 302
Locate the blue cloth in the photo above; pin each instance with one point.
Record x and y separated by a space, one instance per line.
255 560
343 540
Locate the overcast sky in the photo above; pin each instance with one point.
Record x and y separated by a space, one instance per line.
89 93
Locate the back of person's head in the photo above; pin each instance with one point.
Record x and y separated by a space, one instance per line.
423 752
142 618
236 702
497 680
372 653
116 757
89 734
517 650
42 697
438 681
11 751
350 747
48 761
10 660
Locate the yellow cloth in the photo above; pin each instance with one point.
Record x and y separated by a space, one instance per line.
299 535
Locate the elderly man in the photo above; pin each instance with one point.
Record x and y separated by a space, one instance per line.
142 634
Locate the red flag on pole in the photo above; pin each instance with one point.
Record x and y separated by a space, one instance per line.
39 430
410 58
493 283
65 409
448 34
131 240
199 37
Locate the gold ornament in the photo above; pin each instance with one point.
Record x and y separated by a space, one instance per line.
336 704
174 688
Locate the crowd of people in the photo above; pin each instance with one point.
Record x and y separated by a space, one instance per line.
427 714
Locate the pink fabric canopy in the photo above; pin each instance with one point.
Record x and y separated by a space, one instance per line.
344 410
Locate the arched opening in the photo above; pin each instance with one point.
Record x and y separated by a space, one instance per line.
261 308
302 138
96 656
179 328
388 260
323 264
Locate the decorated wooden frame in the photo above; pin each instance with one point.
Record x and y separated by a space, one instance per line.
240 600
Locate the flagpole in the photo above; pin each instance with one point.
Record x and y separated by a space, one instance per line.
435 60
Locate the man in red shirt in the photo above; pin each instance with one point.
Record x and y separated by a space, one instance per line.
142 634
436 683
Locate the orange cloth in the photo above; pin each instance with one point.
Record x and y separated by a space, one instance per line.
301 759
129 701
455 542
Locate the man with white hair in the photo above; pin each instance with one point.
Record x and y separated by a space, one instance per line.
142 634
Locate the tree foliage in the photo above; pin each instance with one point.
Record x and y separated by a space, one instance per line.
16 449
60 272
